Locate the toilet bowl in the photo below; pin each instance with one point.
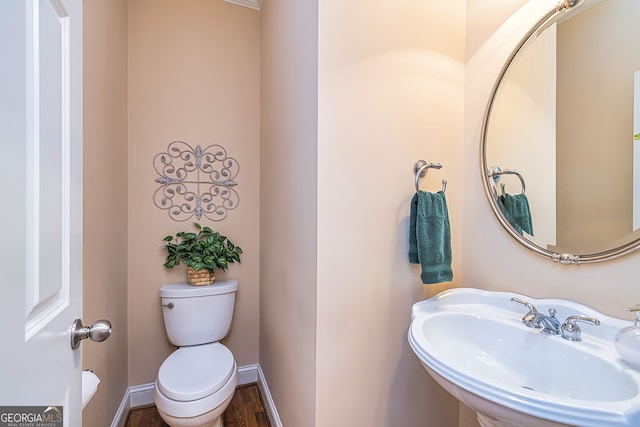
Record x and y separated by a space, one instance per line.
195 384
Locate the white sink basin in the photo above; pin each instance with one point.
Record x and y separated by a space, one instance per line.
475 345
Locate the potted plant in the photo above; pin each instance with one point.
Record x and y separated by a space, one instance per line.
203 253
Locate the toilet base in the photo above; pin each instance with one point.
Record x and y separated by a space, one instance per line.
212 418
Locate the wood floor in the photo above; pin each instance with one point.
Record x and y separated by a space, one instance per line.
245 410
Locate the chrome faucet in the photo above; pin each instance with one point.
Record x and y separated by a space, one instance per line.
550 325
571 331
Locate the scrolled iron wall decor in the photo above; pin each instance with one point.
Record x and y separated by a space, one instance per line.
196 182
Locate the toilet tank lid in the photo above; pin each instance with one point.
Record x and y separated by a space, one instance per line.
183 290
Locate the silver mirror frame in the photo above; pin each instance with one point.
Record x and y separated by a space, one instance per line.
564 258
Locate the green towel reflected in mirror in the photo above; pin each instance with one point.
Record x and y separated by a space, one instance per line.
516 210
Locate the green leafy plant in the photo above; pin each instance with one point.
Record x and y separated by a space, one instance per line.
206 249
636 136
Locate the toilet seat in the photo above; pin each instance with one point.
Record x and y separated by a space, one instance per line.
211 406
192 373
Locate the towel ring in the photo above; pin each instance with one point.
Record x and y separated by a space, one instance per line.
421 167
496 172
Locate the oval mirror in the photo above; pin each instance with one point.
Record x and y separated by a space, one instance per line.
560 161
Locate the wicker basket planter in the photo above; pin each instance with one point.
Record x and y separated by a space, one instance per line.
207 251
201 277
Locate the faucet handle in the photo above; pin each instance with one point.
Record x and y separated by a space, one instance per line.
529 319
571 331
525 303
636 311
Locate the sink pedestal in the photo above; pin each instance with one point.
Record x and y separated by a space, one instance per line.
491 414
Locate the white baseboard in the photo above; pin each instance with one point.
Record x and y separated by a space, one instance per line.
268 400
141 395
248 374
137 395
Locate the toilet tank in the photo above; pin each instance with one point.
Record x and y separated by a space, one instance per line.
196 315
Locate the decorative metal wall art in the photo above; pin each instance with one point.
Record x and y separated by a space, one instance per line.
196 182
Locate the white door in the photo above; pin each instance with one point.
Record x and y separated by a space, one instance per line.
41 207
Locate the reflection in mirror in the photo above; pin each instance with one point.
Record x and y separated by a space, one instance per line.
636 150
563 117
515 208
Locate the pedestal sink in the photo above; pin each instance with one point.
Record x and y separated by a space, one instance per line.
474 344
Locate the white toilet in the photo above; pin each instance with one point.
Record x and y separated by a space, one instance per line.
196 382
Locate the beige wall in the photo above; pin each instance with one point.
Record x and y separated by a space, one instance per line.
105 200
483 18
288 188
391 79
492 259
193 76
333 330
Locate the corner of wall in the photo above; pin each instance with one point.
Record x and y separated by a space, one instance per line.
105 199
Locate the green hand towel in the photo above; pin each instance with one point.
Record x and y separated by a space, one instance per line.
413 243
516 209
432 237
507 213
